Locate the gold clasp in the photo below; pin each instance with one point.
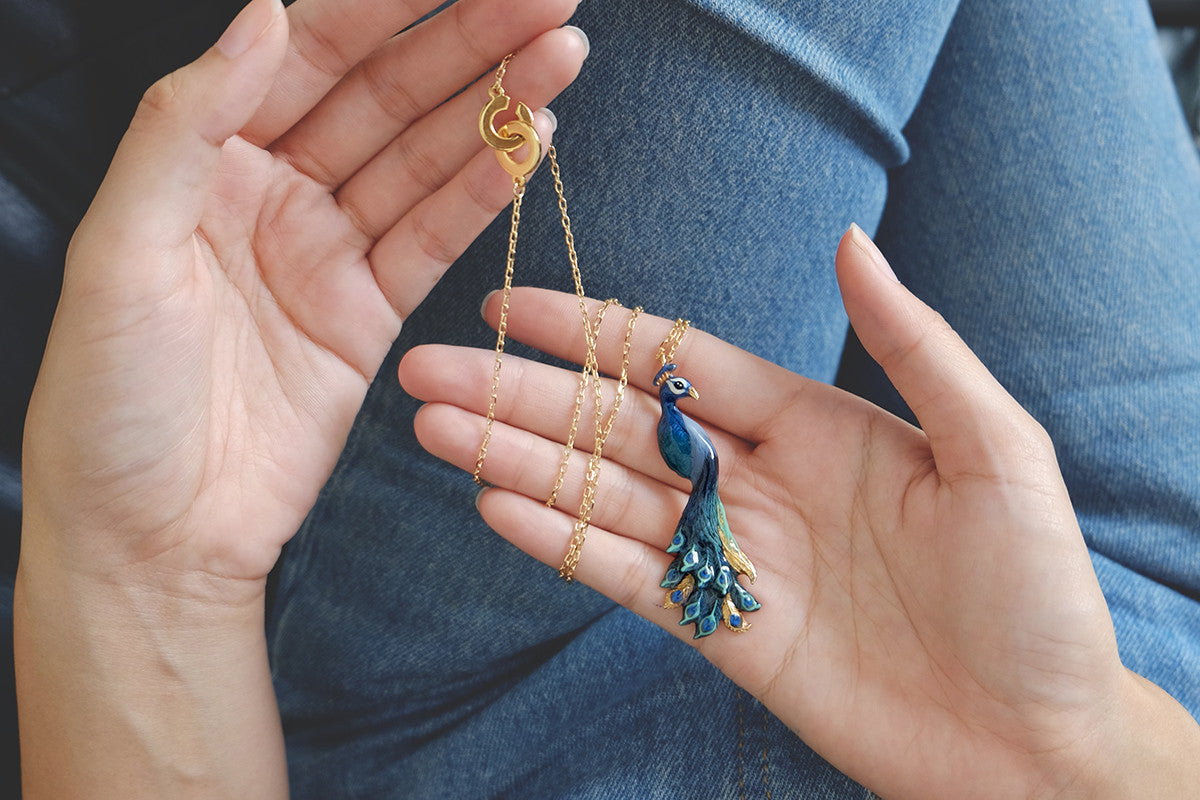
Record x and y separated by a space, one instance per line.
511 135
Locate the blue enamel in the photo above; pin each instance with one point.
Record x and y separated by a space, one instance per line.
702 543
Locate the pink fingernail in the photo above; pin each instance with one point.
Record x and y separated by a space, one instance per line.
247 26
860 238
483 305
587 46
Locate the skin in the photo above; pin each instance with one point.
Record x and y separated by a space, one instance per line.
274 212
931 622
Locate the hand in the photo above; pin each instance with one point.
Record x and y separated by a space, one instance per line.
275 211
931 622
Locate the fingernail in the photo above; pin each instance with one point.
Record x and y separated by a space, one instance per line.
483 305
247 26
587 46
480 494
860 238
553 119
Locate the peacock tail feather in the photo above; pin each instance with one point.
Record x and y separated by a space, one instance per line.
703 579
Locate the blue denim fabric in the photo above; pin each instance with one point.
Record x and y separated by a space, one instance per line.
714 152
1051 211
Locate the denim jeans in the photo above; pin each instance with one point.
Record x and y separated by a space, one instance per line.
1029 174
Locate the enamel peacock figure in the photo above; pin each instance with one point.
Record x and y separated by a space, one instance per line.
703 578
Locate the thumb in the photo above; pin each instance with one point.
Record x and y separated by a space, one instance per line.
975 427
154 192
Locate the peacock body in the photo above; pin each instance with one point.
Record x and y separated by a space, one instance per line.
703 577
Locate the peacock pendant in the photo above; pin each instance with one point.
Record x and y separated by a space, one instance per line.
703 577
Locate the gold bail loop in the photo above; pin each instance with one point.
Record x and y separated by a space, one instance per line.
513 134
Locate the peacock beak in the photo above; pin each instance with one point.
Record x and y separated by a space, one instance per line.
692 393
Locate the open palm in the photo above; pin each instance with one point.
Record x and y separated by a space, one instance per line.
931 622
275 211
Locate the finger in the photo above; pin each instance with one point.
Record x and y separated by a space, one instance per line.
328 37
541 399
155 189
413 255
626 571
975 427
431 151
629 572
626 500
408 77
739 392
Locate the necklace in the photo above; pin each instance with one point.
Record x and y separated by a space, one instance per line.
703 577
506 141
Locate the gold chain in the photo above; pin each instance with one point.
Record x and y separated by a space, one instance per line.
591 476
502 328
591 369
666 350
498 84
508 138
589 373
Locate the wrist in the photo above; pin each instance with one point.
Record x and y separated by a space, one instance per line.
1148 746
125 568
131 616
126 690
135 599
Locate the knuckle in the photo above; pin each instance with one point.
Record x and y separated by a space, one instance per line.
430 242
306 160
467 34
482 191
905 349
526 471
419 166
1033 438
161 98
389 91
632 580
617 498
319 49
509 403
931 330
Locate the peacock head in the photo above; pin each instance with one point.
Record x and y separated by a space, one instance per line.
671 387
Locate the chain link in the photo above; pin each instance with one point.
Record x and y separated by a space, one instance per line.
502 327
591 476
666 350
590 372
591 330
587 375
498 84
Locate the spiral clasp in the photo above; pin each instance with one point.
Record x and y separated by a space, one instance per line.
512 135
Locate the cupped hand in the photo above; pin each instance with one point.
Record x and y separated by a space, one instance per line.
930 619
275 211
